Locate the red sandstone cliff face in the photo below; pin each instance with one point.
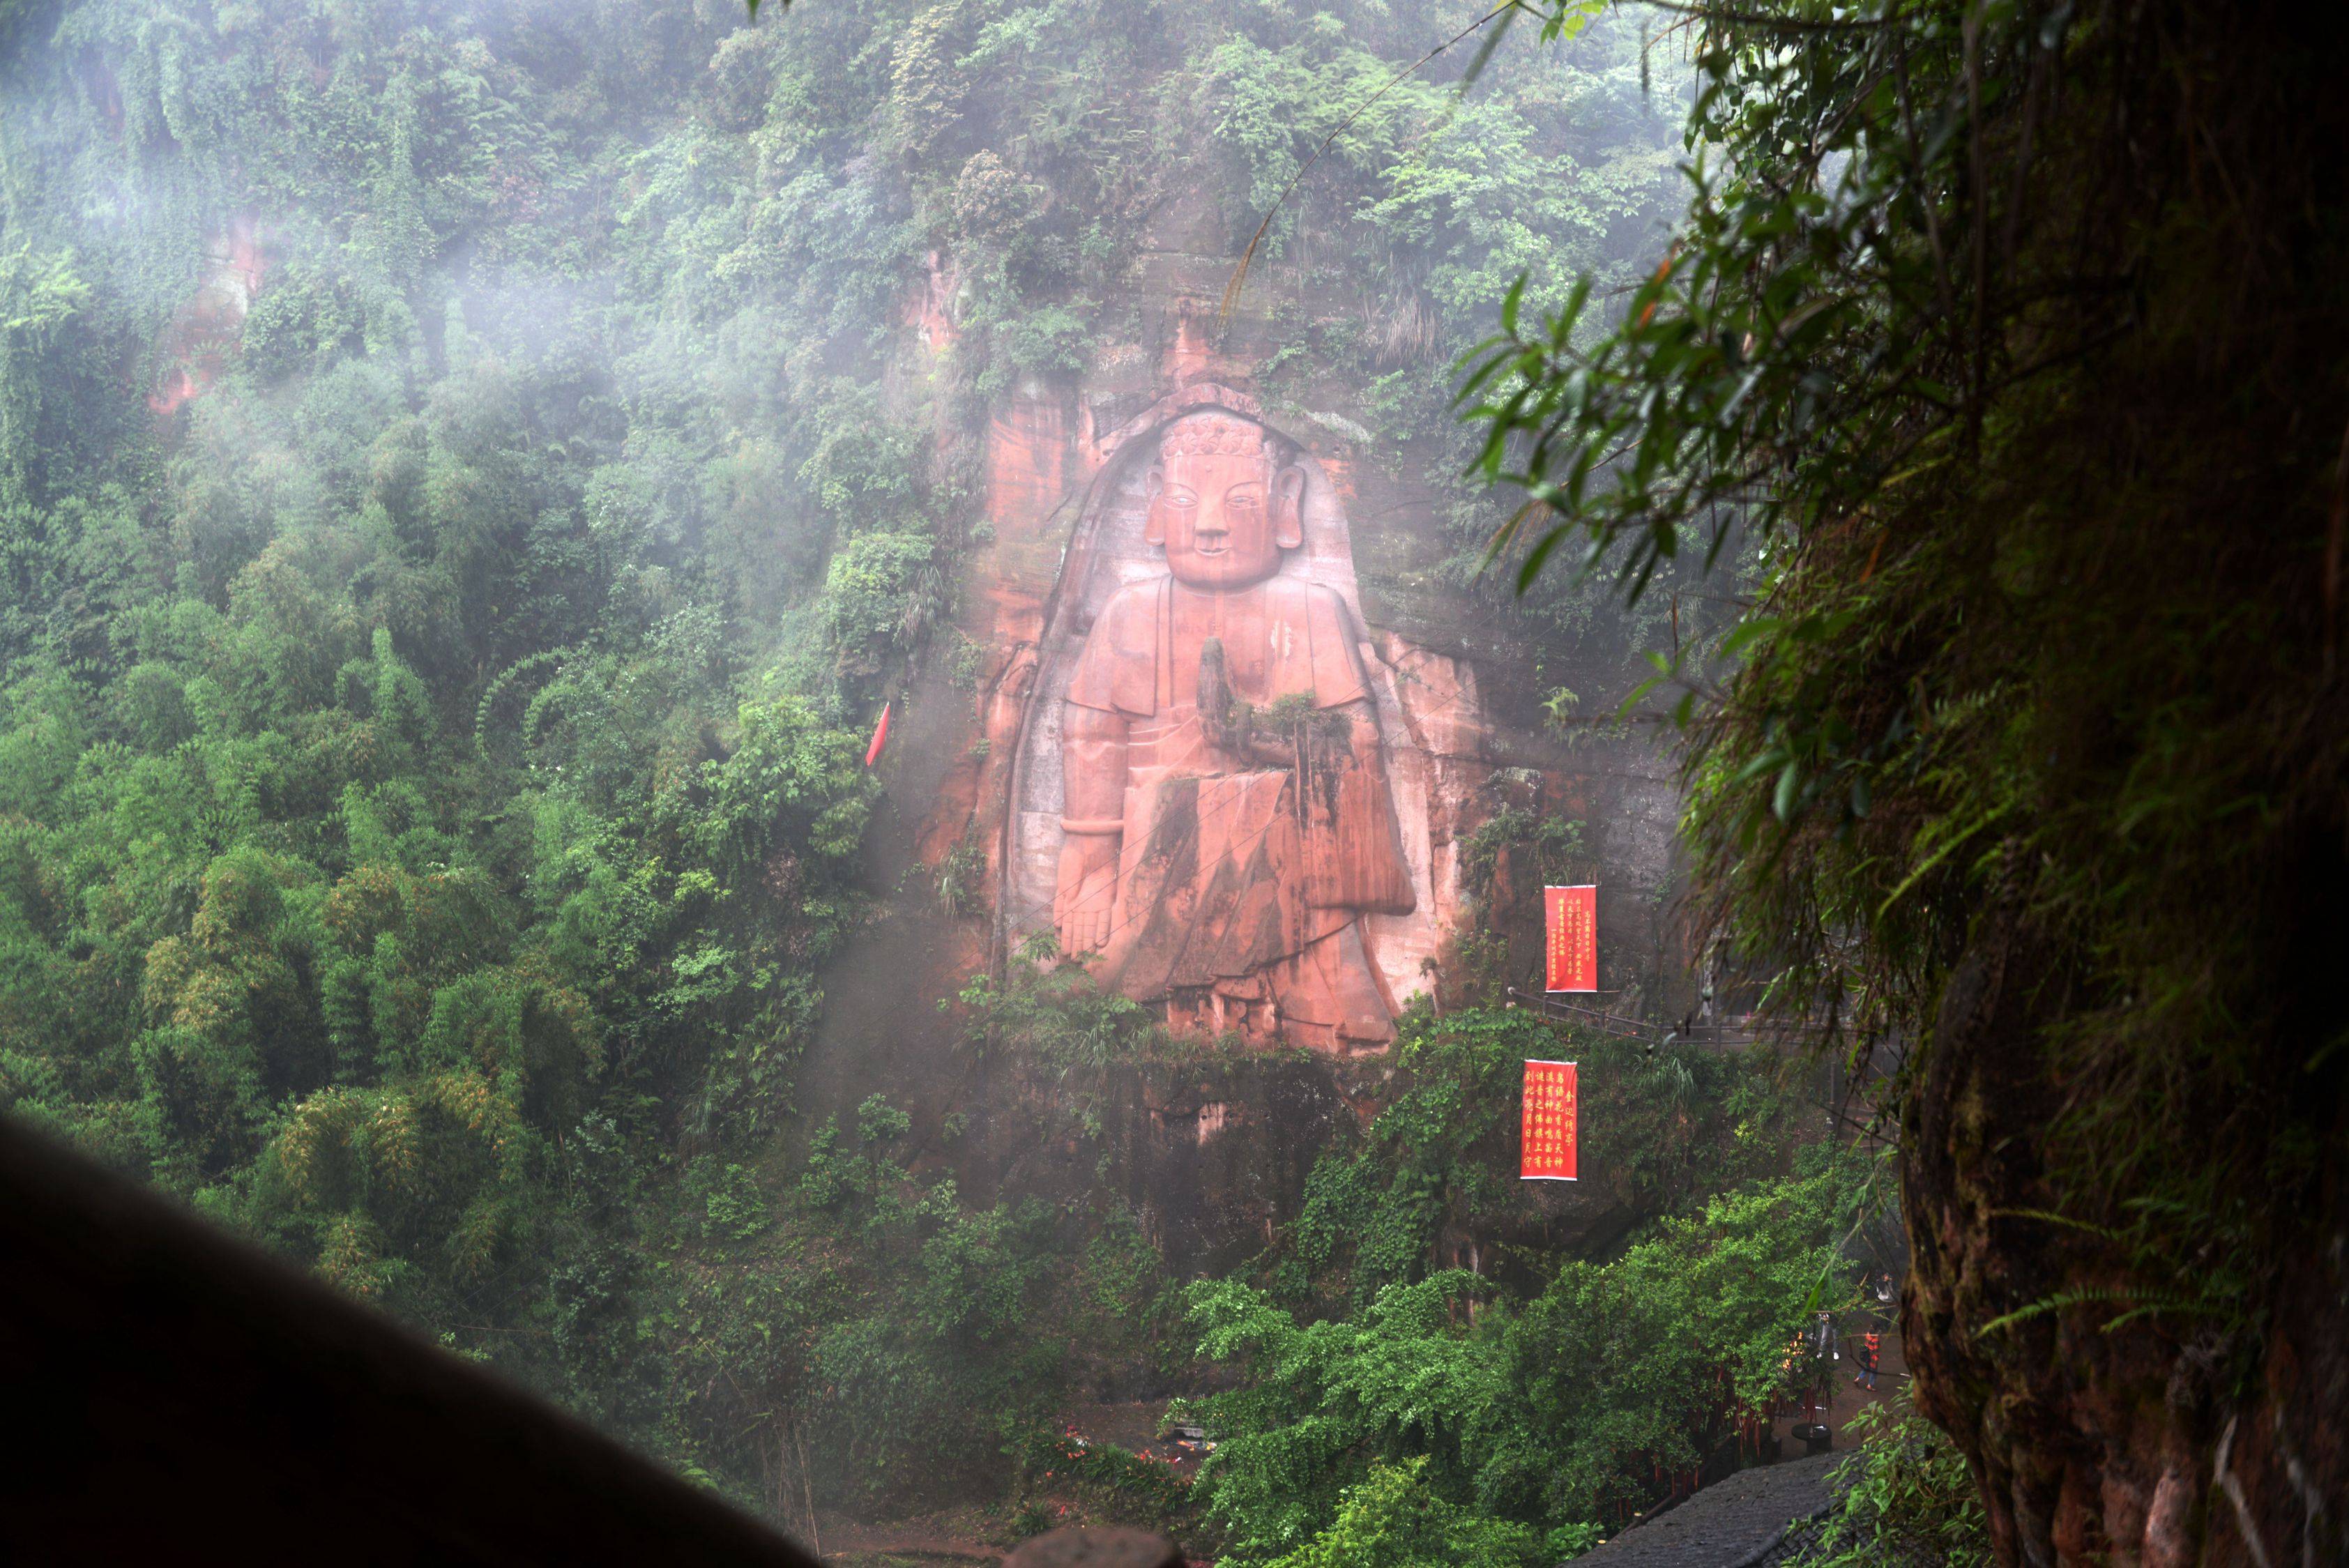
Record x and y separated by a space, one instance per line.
1446 746
1207 1164
202 338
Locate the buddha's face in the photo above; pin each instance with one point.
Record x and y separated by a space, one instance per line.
1219 504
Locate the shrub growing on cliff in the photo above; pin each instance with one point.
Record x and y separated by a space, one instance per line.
1660 1130
1906 1499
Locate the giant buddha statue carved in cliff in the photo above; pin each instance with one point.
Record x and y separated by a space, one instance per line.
1226 820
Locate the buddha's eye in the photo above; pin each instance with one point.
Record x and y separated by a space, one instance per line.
1243 498
1175 496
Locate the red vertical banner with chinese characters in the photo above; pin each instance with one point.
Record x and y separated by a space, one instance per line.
1550 1123
1573 919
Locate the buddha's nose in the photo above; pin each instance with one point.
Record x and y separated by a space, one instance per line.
1212 523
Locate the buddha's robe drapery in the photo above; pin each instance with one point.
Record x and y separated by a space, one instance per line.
1240 885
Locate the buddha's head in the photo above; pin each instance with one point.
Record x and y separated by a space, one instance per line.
1224 501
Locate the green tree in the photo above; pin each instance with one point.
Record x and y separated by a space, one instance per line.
1392 1520
1542 1412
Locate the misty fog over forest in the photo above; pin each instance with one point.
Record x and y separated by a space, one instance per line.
574 575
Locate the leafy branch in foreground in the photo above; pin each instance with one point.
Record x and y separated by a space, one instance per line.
2003 339
1907 1499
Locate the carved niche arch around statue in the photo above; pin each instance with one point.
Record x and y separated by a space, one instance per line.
1204 800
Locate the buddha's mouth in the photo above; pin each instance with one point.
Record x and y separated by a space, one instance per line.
1201 547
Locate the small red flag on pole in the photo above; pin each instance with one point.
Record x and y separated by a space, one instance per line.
1573 919
880 738
1551 1123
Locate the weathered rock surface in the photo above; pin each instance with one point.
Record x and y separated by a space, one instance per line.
975 776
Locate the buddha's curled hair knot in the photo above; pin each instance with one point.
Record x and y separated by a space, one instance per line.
1217 435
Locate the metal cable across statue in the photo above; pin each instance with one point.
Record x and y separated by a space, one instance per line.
1227 819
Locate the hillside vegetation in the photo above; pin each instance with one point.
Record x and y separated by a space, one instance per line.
468 481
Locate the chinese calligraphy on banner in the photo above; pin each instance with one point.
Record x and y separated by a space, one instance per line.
1573 919
1550 1124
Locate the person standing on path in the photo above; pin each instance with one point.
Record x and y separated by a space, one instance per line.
1871 1349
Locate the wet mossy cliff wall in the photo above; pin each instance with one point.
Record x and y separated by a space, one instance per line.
1210 1147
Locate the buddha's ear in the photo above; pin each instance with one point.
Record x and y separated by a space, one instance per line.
1288 507
1154 485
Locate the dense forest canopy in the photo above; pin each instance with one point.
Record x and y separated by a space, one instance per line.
453 505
